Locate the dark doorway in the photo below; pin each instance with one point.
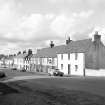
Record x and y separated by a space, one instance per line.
69 69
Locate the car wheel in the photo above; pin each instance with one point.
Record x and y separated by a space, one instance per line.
54 74
49 74
61 75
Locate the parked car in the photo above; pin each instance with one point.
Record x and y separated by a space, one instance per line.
2 74
55 72
14 68
23 69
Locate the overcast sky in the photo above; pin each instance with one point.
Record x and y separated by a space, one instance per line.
33 23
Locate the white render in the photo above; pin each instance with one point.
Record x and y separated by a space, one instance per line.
80 62
98 73
49 61
19 62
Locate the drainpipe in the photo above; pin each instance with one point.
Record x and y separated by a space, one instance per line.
84 74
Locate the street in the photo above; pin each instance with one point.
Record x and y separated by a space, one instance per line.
45 90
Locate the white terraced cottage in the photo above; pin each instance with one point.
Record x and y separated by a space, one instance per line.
47 57
83 57
71 60
72 63
19 61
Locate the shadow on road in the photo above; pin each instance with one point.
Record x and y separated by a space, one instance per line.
5 89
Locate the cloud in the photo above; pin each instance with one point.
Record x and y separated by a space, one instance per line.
61 24
27 27
40 28
25 24
64 24
83 14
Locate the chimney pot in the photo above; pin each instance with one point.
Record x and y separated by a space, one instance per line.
51 44
97 37
68 40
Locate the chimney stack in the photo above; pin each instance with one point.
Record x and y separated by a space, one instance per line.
97 37
51 44
68 41
38 50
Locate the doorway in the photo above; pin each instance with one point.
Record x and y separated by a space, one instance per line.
69 69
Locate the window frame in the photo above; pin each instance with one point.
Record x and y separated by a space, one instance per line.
61 66
76 67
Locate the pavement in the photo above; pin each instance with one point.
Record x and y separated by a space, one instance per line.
24 78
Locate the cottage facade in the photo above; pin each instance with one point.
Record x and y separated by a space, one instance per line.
83 57
47 58
90 56
9 62
72 63
19 61
28 62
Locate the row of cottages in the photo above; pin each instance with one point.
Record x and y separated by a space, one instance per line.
46 58
28 62
83 57
19 61
9 61
23 61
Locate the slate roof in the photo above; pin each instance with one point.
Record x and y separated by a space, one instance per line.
28 56
34 55
21 56
9 58
74 46
50 52
79 46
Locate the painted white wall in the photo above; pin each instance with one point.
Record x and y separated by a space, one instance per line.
80 62
55 62
99 73
19 62
45 61
33 60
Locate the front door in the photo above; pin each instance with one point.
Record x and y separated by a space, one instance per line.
69 69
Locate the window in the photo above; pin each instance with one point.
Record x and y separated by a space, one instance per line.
76 67
68 56
43 60
61 66
50 61
76 56
62 56
47 60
